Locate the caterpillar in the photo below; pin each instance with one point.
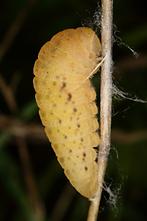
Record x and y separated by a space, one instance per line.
66 101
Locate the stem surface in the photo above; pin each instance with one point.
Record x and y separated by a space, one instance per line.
105 103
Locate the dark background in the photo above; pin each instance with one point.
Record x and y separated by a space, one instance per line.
32 184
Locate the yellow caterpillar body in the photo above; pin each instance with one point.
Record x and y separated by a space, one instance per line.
66 100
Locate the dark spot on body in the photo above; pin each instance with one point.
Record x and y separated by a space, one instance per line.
78 125
86 168
95 148
54 83
96 159
84 154
60 121
82 139
69 96
75 109
70 150
65 136
63 85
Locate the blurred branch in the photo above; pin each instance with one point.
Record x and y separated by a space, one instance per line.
131 63
35 132
20 129
122 137
8 95
14 28
38 209
62 204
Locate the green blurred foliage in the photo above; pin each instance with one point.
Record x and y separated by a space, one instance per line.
126 176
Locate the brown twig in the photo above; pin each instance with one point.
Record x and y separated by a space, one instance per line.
105 103
37 206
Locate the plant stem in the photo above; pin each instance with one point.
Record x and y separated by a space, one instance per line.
105 103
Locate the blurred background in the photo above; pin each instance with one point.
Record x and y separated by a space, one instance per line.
32 184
